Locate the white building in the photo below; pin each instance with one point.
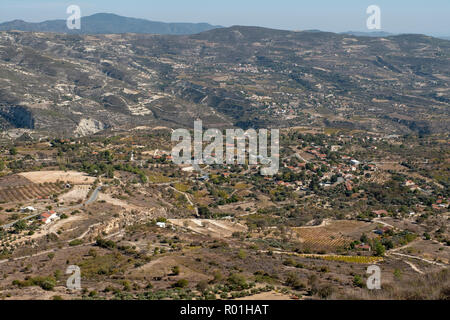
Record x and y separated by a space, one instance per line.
161 224
48 217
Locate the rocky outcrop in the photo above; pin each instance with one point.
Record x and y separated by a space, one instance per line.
89 126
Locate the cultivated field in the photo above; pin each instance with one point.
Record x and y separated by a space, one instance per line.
55 176
332 235
348 259
29 192
13 181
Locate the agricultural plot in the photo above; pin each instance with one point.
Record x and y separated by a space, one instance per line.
331 236
72 177
78 192
214 228
13 180
348 259
28 192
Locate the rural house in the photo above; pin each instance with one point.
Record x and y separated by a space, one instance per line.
48 217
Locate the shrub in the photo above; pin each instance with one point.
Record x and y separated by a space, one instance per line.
92 253
358 281
293 281
237 281
176 270
289 262
217 276
242 254
182 283
107 244
75 242
202 286
325 291
46 283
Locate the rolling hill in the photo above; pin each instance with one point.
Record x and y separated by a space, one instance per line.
240 76
107 23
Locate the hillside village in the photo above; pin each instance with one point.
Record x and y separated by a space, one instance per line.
141 227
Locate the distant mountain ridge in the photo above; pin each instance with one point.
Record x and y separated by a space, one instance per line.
369 33
108 23
381 34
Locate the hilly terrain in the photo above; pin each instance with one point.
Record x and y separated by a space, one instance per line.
94 207
108 23
76 85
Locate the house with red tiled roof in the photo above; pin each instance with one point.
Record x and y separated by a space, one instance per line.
409 183
435 206
48 217
348 186
380 213
363 246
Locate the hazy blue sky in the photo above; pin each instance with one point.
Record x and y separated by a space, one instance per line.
415 16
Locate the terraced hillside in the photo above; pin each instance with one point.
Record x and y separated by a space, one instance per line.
239 76
16 189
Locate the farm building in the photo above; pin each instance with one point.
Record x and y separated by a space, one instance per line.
380 213
48 217
28 209
161 224
348 186
363 246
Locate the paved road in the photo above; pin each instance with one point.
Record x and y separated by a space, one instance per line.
92 198
9 225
